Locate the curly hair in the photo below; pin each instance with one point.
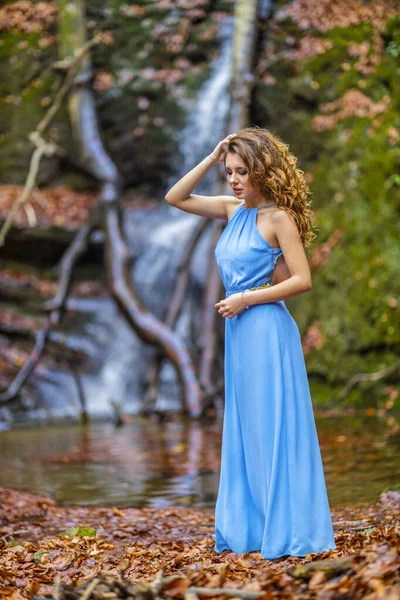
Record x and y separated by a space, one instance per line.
273 170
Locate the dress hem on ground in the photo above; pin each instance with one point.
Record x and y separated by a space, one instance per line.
272 494
286 552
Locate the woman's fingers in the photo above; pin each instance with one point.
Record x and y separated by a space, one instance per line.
228 137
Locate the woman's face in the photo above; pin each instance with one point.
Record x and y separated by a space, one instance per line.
237 175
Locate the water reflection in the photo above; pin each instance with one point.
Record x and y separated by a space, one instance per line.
177 462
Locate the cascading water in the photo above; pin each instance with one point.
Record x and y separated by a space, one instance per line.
206 124
118 357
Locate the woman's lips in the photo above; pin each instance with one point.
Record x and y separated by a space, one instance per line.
237 190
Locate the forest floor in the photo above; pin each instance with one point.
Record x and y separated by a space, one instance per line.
49 551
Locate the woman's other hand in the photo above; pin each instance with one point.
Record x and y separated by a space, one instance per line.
230 306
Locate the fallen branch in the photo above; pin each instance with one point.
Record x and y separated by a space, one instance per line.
71 65
36 137
56 307
231 592
69 259
23 374
366 377
118 257
174 309
46 149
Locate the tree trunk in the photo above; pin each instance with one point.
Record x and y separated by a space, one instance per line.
240 93
244 45
118 257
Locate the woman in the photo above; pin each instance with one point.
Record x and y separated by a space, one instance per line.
272 494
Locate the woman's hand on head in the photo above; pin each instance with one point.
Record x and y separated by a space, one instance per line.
220 150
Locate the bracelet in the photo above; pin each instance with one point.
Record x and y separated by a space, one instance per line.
244 299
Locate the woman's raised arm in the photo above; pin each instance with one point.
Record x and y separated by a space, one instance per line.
180 195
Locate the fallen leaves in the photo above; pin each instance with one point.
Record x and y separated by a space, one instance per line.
17 280
26 16
59 206
170 553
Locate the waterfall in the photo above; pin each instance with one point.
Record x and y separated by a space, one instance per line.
205 126
118 359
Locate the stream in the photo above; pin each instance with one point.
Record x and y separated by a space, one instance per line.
146 463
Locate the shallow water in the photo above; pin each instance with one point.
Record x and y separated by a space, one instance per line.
146 463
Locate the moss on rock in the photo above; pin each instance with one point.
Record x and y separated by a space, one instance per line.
352 162
155 59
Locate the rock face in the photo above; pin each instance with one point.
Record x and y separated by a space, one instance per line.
155 57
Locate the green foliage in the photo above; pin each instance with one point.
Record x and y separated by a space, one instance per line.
392 37
392 488
354 168
14 543
26 81
80 532
37 556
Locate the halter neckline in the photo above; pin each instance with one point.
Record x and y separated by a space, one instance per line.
257 207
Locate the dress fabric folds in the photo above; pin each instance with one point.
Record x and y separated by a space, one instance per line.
272 495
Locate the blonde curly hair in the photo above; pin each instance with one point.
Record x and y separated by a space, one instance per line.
273 170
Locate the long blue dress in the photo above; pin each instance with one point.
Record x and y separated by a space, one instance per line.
272 494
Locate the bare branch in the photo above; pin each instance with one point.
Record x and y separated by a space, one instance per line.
369 377
56 306
73 66
43 147
26 192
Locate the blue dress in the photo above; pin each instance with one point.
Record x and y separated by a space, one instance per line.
272 494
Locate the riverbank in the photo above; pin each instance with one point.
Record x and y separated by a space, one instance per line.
40 542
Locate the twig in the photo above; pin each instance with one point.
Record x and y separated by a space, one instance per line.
190 595
28 366
359 377
56 307
68 81
26 192
269 61
30 214
235 593
89 589
157 585
57 587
